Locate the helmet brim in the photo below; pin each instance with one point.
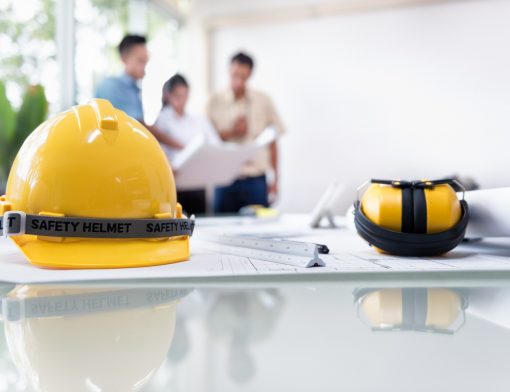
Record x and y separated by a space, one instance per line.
102 253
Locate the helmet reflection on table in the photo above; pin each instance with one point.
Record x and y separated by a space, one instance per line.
82 339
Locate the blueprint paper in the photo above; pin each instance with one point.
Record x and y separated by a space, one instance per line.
489 213
15 269
202 165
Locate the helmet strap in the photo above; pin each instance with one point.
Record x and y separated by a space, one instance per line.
14 223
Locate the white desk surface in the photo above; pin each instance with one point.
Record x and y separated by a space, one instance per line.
350 259
272 331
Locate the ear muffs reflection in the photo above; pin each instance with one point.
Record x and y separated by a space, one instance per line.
437 310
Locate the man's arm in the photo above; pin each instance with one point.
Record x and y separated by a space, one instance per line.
164 138
225 134
239 130
273 188
274 121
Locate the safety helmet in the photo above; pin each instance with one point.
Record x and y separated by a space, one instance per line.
412 218
92 188
438 310
82 339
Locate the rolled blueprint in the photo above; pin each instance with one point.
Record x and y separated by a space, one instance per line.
489 213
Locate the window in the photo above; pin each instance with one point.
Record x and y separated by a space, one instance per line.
100 25
28 48
163 33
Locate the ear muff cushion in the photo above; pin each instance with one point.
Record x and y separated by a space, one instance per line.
383 205
411 244
381 307
443 209
444 307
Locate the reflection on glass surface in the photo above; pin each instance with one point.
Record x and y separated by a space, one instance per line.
438 310
85 339
289 338
240 320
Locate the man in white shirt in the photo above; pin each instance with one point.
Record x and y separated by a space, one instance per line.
182 127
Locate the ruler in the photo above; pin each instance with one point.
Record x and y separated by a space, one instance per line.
295 253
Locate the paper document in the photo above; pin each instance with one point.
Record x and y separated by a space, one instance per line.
205 263
489 213
201 165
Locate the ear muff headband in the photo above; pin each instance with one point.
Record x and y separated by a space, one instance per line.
414 307
413 240
419 211
407 210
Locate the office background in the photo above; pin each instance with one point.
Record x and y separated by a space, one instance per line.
366 88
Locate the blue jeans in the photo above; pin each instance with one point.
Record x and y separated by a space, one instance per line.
241 193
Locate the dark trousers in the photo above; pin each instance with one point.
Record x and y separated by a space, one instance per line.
241 193
192 202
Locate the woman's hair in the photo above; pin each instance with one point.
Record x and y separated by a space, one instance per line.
171 84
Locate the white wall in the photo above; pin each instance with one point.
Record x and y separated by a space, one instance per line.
413 92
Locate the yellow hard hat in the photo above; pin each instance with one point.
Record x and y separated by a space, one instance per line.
86 339
92 188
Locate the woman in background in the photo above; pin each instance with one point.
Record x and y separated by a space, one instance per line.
183 127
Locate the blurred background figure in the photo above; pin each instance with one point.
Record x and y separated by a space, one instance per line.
123 91
177 123
240 114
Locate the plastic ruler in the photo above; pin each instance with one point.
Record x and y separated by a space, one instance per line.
295 253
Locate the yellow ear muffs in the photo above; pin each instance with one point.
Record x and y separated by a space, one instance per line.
412 218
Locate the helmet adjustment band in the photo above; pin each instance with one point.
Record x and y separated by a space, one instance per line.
14 223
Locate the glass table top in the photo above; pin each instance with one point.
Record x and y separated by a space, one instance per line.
352 336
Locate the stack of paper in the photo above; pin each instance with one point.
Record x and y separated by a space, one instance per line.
202 165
